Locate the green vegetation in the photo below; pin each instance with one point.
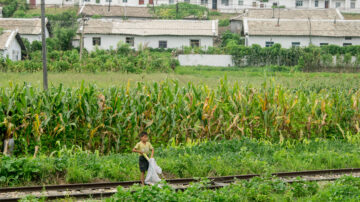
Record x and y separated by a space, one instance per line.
209 76
310 58
224 22
220 158
181 11
257 189
11 6
351 16
109 119
121 59
63 26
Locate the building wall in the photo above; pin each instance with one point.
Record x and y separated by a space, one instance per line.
286 41
34 37
111 41
13 52
206 60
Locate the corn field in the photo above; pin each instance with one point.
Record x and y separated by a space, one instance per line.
110 119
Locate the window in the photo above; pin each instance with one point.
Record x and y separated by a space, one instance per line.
225 2
316 3
194 43
299 3
347 44
124 1
187 1
97 1
204 1
241 2
348 38
353 4
295 44
324 44
338 4
96 41
269 43
162 44
171 1
108 1
130 41
86 0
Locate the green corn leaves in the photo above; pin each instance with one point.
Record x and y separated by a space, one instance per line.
109 120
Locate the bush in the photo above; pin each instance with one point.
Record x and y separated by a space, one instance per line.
224 22
184 10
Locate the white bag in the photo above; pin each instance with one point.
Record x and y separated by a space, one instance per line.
153 173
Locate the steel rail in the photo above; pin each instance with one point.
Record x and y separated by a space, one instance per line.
183 181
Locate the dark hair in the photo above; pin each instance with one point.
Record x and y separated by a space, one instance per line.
142 134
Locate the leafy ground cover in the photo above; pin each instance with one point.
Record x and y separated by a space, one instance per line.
258 189
231 157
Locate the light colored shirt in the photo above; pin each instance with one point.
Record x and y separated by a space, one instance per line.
145 148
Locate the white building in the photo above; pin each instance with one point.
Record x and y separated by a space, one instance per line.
301 32
11 45
108 33
29 28
229 6
236 23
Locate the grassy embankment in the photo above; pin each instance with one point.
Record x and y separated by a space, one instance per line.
197 75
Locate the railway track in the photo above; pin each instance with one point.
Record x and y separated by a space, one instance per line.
98 190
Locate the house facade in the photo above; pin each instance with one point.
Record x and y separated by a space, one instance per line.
11 45
229 6
109 33
29 28
301 32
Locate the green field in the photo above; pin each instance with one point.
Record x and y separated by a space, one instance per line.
197 75
212 158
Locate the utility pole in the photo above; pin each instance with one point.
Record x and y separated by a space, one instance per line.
109 5
310 30
83 21
43 37
177 9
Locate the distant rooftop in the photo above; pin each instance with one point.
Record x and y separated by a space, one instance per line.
116 11
301 27
152 27
23 25
282 13
4 38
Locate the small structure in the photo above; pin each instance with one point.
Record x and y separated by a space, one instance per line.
53 3
108 33
28 28
11 45
301 32
117 12
236 23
